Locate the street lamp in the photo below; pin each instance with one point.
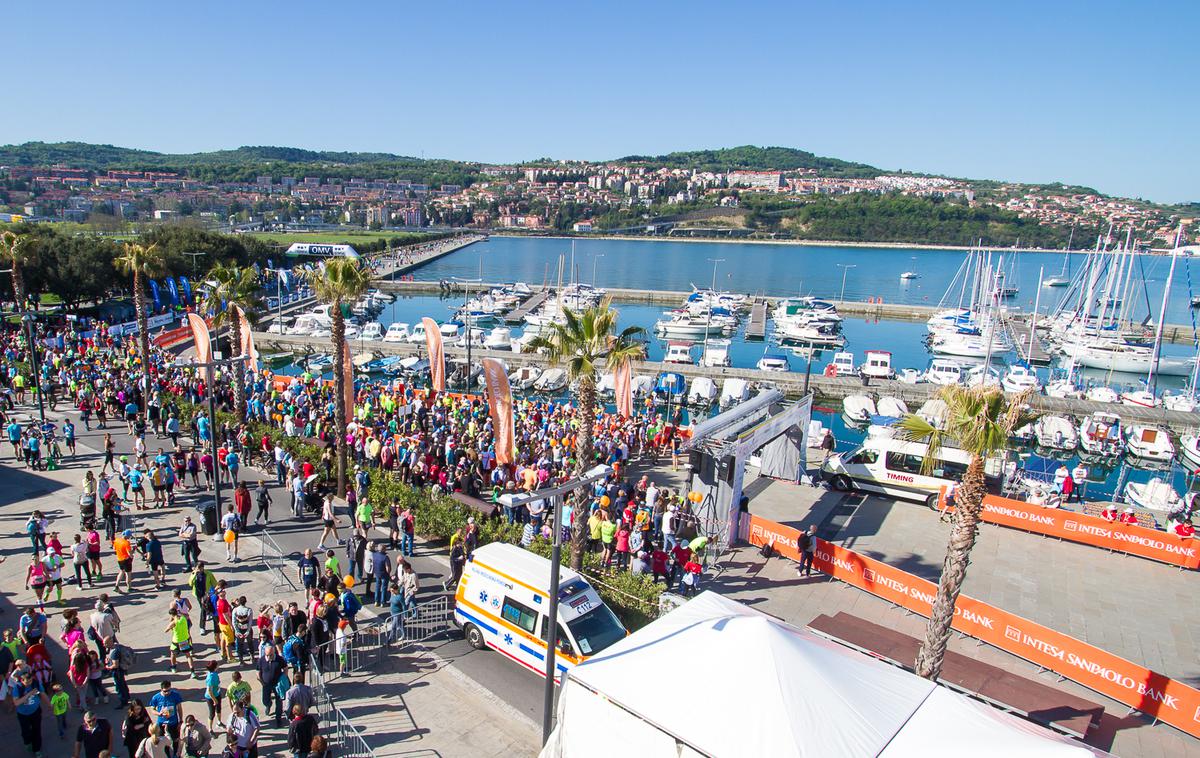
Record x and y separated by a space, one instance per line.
557 495
845 270
595 258
194 256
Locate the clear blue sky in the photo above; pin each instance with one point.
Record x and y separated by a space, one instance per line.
1097 93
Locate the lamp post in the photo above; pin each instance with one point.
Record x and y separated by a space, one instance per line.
467 320
278 272
194 256
212 423
845 270
557 495
27 319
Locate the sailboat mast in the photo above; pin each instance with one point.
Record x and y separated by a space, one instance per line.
1151 378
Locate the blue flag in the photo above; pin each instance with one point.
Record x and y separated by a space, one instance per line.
269 264
154 293
173 291
187 289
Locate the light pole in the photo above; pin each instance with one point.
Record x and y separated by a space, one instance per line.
27 320
595 258
278 272
467 321
845 270
557 495
212 422
194 256
708 317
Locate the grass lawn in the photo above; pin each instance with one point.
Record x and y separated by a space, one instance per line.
329 238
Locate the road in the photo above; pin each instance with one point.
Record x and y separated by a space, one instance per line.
512 684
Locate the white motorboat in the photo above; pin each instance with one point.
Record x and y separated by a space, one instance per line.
1020 378
351 330
858 408
417 334
1100 434
1151 443
702 392
678 352
524 377
943 372
499 338
1189 450
642 385
822 334
910 376
734 391
372 330
969 345
551 380
1183 402
908 275
775 362
843 364
607 386
684 325
397 332
716 354
1154 495
1140 399
450 330
1056 281
983 376
1063 388
1056 433
1102 394
891 406
475 336
877 364
934 412
817 434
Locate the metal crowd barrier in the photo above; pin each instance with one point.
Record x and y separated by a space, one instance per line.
276 561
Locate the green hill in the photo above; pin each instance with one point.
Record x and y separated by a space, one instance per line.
754 158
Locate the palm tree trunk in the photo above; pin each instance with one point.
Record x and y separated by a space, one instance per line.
338 332
583 448
239 368
139 304
968 503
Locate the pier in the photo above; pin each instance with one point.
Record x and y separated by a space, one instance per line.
517 315
1019 332
792 383
392 264
757 328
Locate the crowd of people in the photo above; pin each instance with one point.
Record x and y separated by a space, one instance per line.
158 445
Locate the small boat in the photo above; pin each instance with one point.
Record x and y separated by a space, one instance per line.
551 380
372 330
1020 378
397 332
1140 399
417 333
942 371
275 360
450 330
1056 433
1100 435
1183 402
642 385
1101 394
910 274
859 408
524 377
843 364
1189 450
607 386
934 412
910 376
1056 281
983 376
776 362
352 331
1149 442
317 361
1063 388
499 338
678 352
892 406
671 385
716 354
1195 301
702 392
1154 495
734 391
877 364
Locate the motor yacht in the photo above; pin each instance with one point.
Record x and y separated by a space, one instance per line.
702 392
372 330
1149 442
499 338
943 372
1021 378
877 364
678 352
1154 495
1101 435
775 362
716 354
396 332
843 364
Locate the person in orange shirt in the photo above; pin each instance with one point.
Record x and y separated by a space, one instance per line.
124 552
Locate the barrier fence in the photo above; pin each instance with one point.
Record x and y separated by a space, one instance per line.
1149 692
276 561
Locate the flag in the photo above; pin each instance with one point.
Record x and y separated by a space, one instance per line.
203 342
249 352
623 384
154 294
173 291
187 288
270 265
437 356
501 409
348 378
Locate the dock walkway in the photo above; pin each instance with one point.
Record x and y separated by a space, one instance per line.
517 315
757 328
1018 330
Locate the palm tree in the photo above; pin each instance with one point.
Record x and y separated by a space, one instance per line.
142 261
229 286
583 342
980 421
14 250
343 281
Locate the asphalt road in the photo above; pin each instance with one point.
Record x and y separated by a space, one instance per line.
512 684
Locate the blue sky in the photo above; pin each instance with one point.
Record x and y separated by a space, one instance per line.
1097 93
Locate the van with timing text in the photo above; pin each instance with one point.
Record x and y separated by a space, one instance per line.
891 466
502 602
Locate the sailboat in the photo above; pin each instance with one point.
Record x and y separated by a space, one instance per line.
1064 278
912 274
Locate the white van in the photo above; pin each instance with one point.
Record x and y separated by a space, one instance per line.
502 603
892 466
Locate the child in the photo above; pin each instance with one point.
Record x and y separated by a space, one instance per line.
96 678
60 703
341 642
212 695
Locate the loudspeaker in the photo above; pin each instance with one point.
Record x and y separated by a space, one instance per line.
695 460
727 469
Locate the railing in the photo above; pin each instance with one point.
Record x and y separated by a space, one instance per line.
384 637
343 735
276 561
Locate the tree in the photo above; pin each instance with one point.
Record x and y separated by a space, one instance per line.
142 261
979 420
234 285
14 250
343 281
582 342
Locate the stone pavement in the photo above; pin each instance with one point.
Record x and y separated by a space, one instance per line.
447 711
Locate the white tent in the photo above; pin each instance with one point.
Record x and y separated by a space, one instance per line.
717 678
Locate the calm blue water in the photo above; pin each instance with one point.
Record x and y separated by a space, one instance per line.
781 270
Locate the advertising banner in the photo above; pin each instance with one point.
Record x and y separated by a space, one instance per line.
623 384
348 381
437 356
1138 687
501 408
246 338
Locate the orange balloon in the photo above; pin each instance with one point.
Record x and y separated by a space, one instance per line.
230 537
605 501
348 581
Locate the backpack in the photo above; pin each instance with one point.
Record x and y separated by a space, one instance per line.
351 604
293 649
126 658
767 550
31 527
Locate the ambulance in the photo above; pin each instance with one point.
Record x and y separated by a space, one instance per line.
502 602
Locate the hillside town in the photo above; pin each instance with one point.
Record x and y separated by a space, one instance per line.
566 196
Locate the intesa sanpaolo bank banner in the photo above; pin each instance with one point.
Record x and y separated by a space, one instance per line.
1151 693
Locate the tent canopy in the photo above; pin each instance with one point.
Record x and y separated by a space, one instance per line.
733 681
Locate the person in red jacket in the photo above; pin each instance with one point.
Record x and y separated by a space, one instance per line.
658 564
680 555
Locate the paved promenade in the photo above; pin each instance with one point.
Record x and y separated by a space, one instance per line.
446 711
